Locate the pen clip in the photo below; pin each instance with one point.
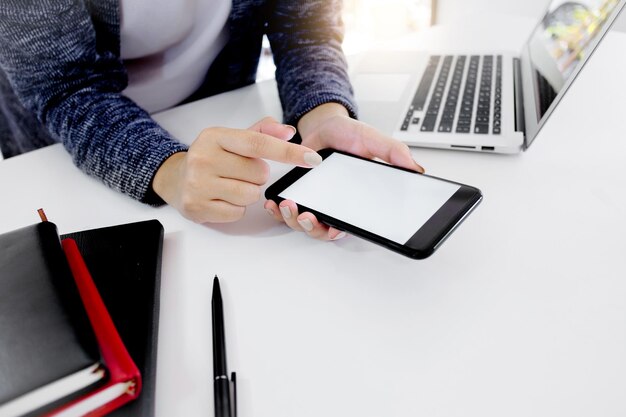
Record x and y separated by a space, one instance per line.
233 381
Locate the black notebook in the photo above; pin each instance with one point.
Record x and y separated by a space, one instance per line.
125 264
48 350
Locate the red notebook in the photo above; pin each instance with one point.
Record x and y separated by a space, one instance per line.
123 378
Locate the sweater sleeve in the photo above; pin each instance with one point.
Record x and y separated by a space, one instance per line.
58 68
305 38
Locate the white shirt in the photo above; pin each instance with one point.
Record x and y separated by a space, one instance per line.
168 46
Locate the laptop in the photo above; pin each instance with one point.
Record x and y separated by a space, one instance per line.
490 102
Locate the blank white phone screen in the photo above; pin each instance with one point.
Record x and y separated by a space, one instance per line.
388 202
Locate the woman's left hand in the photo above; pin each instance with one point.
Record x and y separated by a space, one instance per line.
330 126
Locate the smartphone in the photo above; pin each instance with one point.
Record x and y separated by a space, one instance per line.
402 210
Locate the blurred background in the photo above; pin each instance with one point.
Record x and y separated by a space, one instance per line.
369 22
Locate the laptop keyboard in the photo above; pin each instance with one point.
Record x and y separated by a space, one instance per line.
480 105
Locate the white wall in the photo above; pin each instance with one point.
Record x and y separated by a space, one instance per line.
450 11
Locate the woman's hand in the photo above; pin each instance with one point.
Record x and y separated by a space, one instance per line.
223 171
330 126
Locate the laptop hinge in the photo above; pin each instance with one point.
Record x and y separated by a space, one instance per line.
519 97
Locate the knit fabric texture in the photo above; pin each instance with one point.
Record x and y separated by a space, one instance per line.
61 79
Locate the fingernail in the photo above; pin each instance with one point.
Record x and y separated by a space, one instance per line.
269 211
312 159
340 235
306 224
420 169
293 129
285 211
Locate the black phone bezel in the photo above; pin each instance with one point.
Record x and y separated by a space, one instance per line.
423 242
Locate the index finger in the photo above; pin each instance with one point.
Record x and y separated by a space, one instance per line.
258 145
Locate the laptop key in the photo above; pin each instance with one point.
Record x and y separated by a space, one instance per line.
428 125
481 128
445 127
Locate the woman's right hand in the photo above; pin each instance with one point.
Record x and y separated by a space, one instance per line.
223 171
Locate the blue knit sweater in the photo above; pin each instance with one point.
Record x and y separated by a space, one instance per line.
60 63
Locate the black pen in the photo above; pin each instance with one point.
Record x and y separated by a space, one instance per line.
221 383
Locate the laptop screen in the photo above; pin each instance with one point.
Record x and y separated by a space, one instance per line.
562 41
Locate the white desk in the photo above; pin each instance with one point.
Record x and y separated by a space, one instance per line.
521 312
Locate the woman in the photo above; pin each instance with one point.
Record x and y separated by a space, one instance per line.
90 71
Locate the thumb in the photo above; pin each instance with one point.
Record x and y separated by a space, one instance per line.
400 155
